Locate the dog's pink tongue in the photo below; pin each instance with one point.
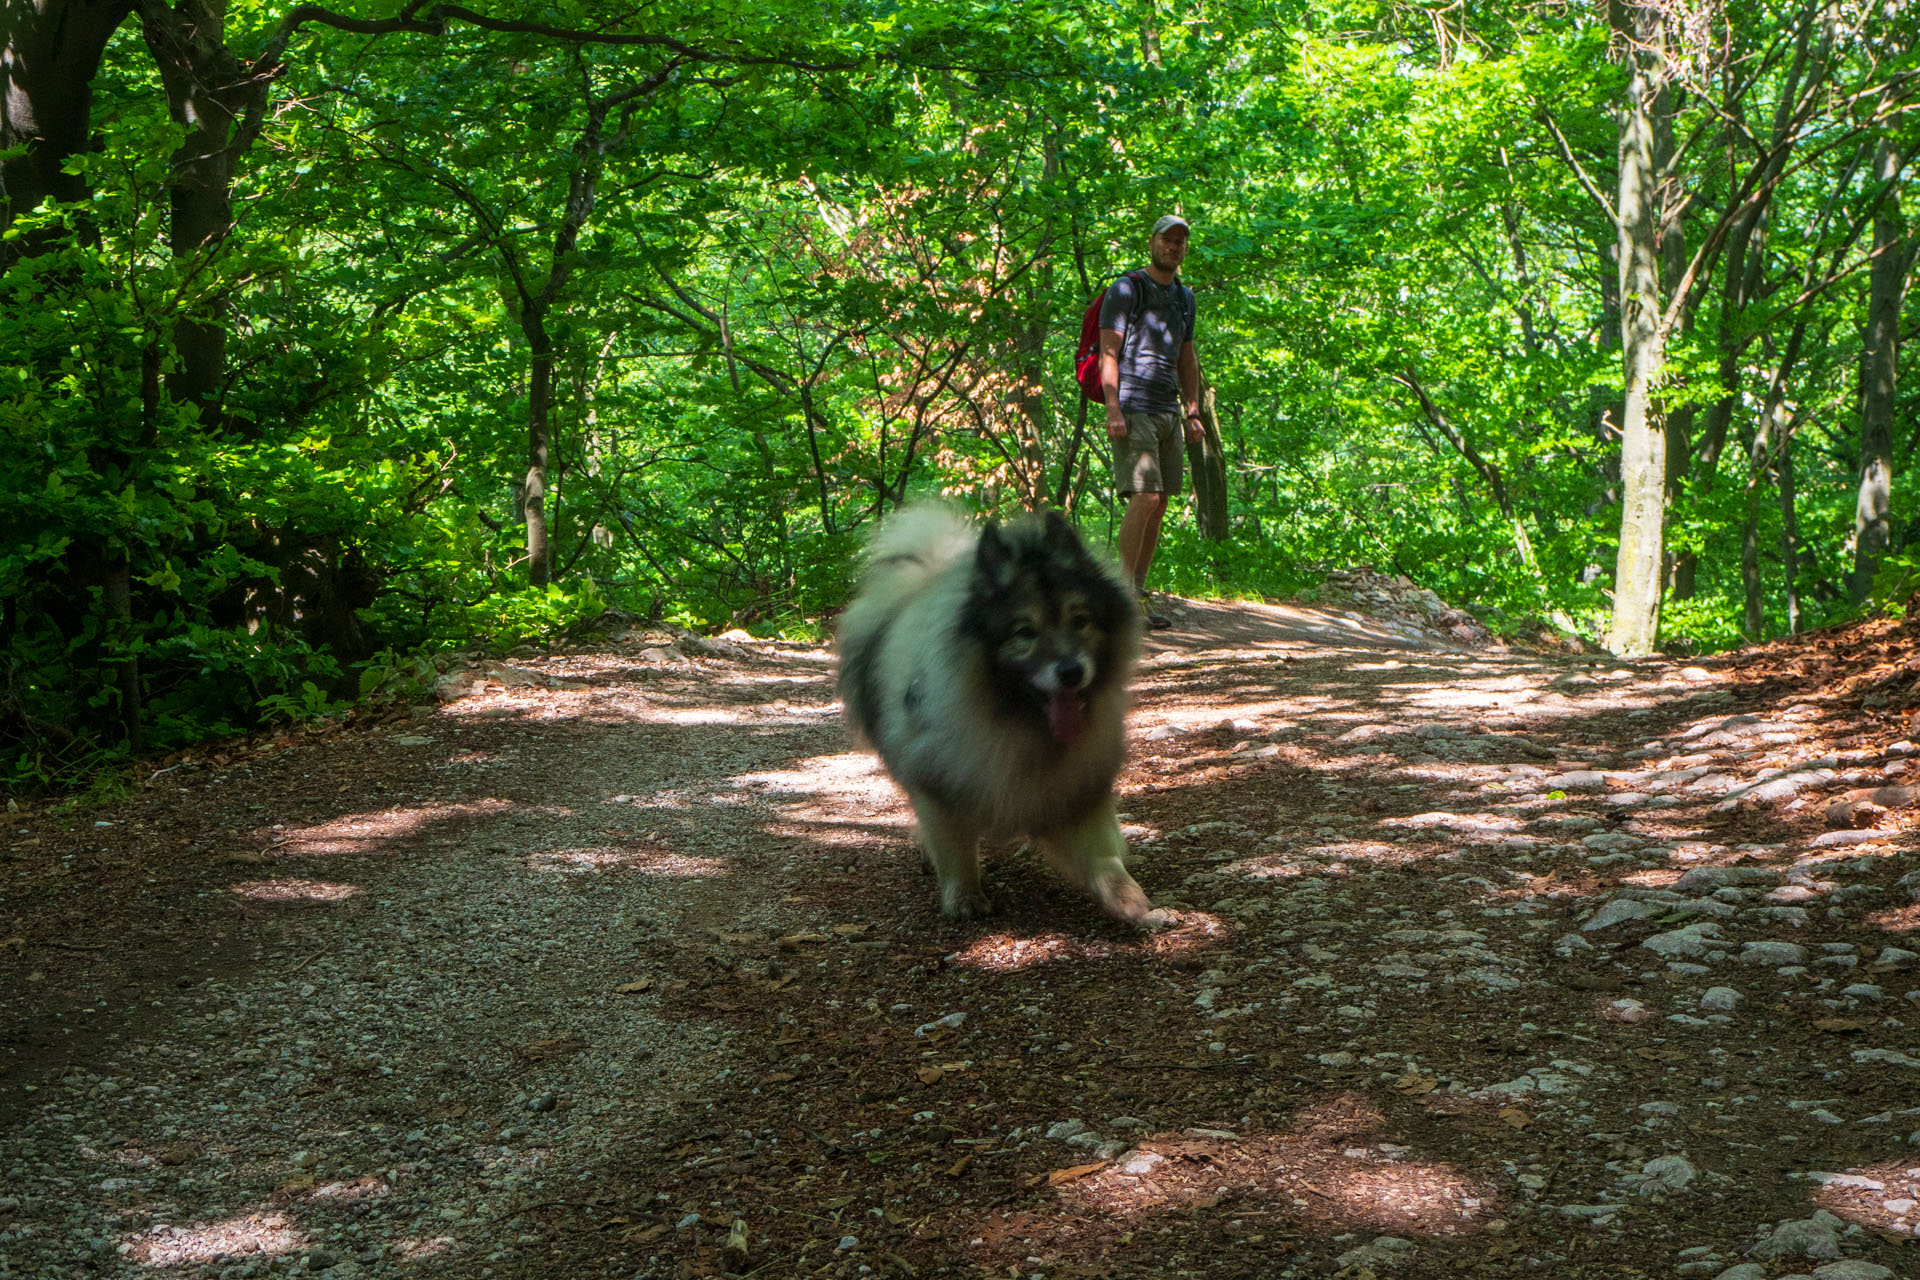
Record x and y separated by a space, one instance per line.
1065 716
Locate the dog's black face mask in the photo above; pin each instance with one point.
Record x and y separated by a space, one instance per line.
1048 617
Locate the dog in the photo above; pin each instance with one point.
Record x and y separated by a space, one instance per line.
988 667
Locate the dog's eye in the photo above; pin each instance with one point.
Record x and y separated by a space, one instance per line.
1024 631
1080 621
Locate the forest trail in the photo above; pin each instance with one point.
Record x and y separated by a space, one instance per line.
619 964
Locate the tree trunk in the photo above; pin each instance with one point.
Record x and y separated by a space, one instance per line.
51 51
207 89
539 410
1789 524
1638 577
1879 377
1207 459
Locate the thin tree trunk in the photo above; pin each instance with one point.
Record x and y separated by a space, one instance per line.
1789 526
1879 377
539 408
1638 577
1207 459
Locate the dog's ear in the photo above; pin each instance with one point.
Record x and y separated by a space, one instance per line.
993 561
1059 532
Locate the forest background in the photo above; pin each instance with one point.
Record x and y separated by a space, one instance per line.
333 340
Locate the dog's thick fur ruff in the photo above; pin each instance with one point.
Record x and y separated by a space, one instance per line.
988 667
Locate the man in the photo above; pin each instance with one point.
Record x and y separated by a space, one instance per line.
1150 375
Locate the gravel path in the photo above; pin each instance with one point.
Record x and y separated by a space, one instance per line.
617 964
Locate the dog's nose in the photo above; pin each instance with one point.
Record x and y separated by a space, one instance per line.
1070 672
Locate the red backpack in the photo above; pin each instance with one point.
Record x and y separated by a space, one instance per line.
1086 358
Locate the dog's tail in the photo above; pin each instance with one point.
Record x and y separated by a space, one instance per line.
914 545
909 552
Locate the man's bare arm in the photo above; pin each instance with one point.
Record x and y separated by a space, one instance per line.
1110 382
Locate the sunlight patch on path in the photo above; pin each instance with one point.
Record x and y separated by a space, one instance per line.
268 1234
1189 932
291 889
649 860
374 832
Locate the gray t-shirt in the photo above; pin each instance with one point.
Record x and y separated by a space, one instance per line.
1150 359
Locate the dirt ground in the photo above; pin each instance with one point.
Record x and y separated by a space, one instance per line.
619 963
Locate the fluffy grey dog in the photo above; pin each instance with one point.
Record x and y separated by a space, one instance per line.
988 666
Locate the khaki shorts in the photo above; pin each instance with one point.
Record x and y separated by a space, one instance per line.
1151 458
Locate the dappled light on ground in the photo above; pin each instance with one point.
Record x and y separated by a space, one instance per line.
843 774
1898 919
1880 1197
1188 933
250 1235
649 860
290 889
1332 1170
381 830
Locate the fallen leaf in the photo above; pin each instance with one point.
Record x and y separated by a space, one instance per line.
930 1074
780 1077
631 988
1413 1084
959 1166
647 1236
1515 1118
1840 1026
1059 1176
849 930
795 939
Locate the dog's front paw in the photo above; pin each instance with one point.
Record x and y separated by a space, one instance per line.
1124 899
961 904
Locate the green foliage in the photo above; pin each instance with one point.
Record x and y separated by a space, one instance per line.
837 262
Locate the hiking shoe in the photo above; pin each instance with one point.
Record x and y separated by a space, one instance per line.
1155 621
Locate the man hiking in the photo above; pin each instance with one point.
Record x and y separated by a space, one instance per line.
1150 378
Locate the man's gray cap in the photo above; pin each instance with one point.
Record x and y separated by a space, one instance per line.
1170 220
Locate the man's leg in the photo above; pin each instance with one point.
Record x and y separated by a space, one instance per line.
1140 534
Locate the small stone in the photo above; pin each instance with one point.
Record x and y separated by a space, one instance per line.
1720 999
1772 953
1667 1174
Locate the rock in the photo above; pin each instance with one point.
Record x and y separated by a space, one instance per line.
1631 1012
1833 839
1858 808
1385 1251
1666 1175
1853 1269
1720 999
1707 879
1772 953
1578 780
1744 1271
1619 909
1689 940
1816 1237
951 1022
